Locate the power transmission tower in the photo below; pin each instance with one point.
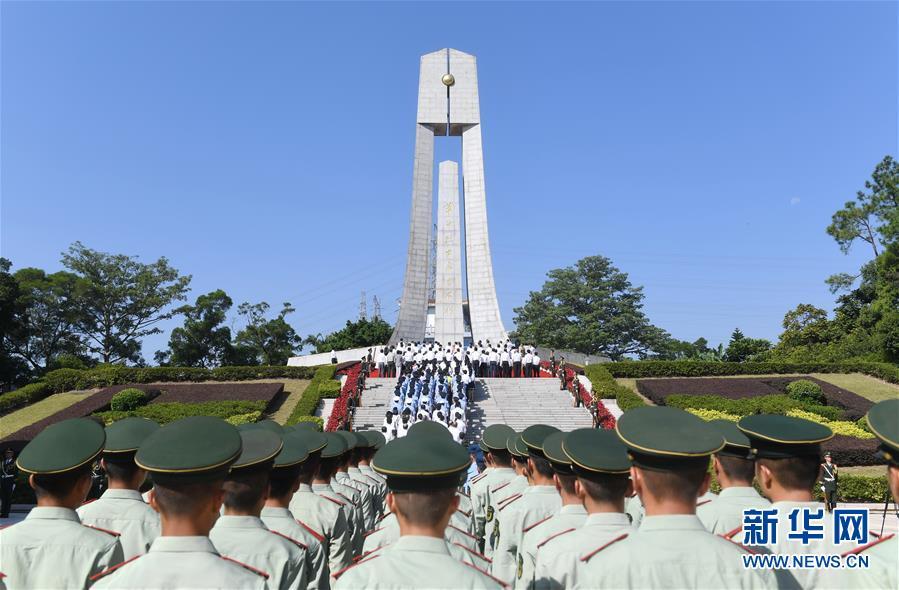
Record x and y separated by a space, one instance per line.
363 312
377 305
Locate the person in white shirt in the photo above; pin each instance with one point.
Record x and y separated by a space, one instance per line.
504 364
526 363
535 365
516 362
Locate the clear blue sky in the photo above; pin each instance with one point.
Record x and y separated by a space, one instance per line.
266 148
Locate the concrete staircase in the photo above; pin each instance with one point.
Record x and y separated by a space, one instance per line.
522 402
375 400
516 402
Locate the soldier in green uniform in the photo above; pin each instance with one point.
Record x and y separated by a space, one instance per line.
669 451
321 515
599 461
374 488
353 488
376 441
499 471
882 572
735 470
423 473
348 498
283 483
788 456
121 507
240 533
569 517
51 548
498 494
537 501
188 461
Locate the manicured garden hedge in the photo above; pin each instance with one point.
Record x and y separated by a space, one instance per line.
69 379
314 393
23 396
163 413
763 404
637 369
605 387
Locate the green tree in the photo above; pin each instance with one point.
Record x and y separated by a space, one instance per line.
740 348
202 341
122 299
265 341
806 325
592 308
48 307
698 350
13 370
358 334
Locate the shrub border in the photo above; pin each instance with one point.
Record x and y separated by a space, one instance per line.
642 369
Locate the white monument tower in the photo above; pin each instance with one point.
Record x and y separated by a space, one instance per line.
448 105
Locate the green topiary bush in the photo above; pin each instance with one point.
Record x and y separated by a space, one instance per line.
806 392
127 400
329 389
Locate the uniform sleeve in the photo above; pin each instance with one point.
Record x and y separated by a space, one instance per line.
527 557
299 576
506 548
340 552
318 577
367 507
112 555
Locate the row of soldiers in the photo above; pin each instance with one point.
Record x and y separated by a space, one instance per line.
272 507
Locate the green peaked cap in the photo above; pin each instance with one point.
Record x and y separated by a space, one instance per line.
349 439
552 450
665 438
190 450
593 451
259 447
125 436
376 440
736 443
336 445
496 436
315 441
63 447
294 452
269 425
517 447
778 437
429 427
533 437
883 420
427 461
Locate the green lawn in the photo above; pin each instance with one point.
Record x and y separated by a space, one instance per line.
867 387
869 470
294 389
39 410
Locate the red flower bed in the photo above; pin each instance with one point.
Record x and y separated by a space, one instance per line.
737 388
602 416
339 412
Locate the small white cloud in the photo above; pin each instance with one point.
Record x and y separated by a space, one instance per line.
794 201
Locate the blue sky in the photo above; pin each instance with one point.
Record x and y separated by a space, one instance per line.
266 148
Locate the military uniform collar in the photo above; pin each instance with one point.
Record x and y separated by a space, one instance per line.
793 504
304 487
182 545
573 509
337 476
670 522
421 544
277 512
122 495
353 470
738 492
53 513
607 519
322 487
501 469
542 490
239 522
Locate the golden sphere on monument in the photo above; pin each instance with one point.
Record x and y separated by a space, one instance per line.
448 79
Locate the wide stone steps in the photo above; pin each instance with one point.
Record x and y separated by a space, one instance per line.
516 402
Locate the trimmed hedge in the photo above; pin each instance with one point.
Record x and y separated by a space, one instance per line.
169 412
307 405
805 391
128 399
23 396
636 369
605 387
763 404
68 379
859 488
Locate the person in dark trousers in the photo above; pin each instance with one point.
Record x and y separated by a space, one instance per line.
829 482
8 472
552 362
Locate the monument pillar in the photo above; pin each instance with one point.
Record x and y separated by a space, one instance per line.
448 319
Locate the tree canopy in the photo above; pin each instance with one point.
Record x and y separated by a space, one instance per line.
358 334
203 340
591 308
265 341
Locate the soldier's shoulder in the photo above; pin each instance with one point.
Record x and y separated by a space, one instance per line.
98 535
878 544
549 541
484 576
509 501
239 565
290 540
114 568
362 564
604 547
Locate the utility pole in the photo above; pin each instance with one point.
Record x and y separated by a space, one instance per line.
377 305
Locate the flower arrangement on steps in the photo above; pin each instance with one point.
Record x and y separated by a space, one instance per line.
602 418
341 417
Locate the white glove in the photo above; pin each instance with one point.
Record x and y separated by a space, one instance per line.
822 488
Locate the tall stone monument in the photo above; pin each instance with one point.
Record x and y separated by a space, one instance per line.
448 105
